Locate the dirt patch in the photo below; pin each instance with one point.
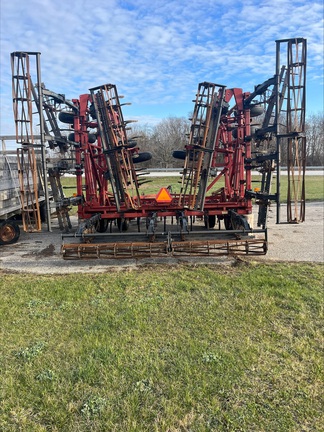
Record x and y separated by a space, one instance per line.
47 252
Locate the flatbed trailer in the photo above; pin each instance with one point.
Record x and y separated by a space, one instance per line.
10 206
21 195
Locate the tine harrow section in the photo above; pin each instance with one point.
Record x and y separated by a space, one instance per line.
120 250
28 186
114 250
219 247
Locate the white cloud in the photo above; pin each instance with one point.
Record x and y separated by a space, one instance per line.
157 51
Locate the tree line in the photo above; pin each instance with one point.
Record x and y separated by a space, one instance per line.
171 134
315 140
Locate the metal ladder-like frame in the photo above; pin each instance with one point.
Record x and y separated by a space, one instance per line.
28 183
22 97
293 135
36 107
111 125
201 146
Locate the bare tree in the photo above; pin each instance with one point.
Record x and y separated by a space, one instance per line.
141 136
168 135
315 140
171 134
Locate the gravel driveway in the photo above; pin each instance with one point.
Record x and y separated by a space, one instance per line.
40 252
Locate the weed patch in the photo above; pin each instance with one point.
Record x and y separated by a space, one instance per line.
29 353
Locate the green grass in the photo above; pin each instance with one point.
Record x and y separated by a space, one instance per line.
314 186
164 349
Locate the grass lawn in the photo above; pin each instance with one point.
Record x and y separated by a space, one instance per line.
164 349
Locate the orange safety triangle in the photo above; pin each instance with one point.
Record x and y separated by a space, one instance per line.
163 195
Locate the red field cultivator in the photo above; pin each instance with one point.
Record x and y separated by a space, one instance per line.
232 133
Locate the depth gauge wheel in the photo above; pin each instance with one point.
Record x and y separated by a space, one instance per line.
122 224
228 222
234 221
42 211
102 225
210 221
9 232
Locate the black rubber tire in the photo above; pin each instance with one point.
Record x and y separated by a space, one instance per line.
179 154
142 157
131 144
66 117
210 221
42 212
256 110
228 222
182 154
122 224
92 138
9 232
102 225
234 222
92 112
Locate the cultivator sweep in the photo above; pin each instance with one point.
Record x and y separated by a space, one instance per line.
232 132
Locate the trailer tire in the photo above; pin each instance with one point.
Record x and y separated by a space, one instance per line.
9 232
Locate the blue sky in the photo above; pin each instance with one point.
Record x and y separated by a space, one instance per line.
157 51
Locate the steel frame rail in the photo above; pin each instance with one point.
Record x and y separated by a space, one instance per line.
28 183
